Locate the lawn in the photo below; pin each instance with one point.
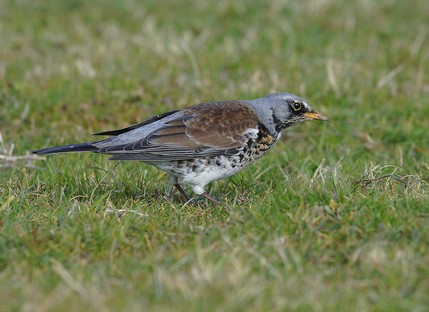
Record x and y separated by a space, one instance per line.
334 218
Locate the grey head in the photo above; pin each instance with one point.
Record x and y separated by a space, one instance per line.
281 110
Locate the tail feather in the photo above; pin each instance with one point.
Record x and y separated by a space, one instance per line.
79 147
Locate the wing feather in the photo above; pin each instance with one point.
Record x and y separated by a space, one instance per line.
132 127
207 129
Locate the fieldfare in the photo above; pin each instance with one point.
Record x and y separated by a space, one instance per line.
205 142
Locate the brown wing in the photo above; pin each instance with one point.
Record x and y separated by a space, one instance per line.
206 129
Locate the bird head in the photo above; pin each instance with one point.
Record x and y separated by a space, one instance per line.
285 110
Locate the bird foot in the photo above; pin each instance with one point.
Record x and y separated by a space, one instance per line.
212 199
178 187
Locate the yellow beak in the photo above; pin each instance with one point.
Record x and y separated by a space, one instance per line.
315 116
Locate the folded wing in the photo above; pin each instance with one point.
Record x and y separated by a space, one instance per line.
207 129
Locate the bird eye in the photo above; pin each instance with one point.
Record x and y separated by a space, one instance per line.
296 106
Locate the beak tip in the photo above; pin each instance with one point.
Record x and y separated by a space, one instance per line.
317 116
323 118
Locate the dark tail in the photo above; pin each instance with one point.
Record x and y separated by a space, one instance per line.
80 147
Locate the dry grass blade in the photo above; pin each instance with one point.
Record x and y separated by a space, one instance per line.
7 160
374 179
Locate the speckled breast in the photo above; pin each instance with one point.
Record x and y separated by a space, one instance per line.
221 166
255 148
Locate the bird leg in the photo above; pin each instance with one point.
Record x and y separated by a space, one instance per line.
177 186
212 199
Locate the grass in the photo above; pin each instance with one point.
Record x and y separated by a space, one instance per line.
333 218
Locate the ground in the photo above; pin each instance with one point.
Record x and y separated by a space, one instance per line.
334 218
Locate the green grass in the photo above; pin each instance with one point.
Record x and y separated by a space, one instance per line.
334 218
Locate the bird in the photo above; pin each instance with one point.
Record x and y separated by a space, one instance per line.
205 142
